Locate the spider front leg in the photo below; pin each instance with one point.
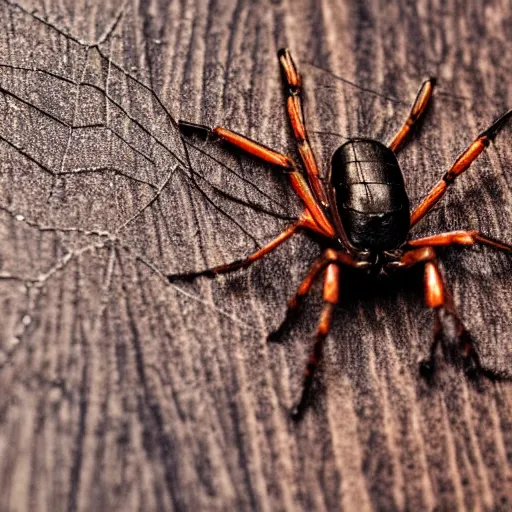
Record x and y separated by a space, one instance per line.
435 289
329 262
418 108
293 85
293 304
461 164
261 152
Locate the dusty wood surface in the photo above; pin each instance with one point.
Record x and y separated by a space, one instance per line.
122 392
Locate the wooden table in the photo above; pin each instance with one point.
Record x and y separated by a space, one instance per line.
120 391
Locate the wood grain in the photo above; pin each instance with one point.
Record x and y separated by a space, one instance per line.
122 392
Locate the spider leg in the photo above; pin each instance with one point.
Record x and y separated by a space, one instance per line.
318 266
459 238
270 156
238 264
249 146
292 82
331 297
315 270
304 223
435 298
418 108
438 299
460 165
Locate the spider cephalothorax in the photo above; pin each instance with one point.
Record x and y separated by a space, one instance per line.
361 213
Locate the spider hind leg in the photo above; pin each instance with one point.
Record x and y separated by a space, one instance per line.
464 352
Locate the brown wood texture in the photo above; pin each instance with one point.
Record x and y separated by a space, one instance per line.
119 391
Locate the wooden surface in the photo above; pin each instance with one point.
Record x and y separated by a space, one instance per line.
122 392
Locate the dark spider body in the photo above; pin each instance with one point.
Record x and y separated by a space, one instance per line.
361 215
369 196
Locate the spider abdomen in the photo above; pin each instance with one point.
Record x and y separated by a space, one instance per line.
370 195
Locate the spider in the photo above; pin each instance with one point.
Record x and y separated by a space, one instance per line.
361 216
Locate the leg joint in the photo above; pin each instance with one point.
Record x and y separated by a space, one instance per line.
449 177
292 90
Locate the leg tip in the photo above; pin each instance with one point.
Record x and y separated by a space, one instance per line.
471 371
188 277
474 371
298 410
282 52
274 336
427 369
175 278
493 130
297 413
191 129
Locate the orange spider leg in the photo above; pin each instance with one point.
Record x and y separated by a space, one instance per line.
438 298
318 266
317 220
461 164
292 81
243 263
459 238
315 270
331 298
435 299
418 108
412 257
254 148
